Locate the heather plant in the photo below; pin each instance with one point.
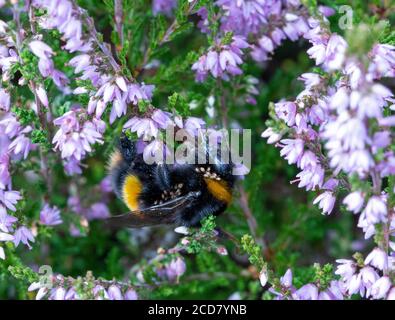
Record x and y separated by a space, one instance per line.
312 80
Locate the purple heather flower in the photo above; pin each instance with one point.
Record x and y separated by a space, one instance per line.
100 292
42 95
375 211
5 177
98 210
24 235
175 269
333 292
114 293
368 277
6 221
131 294
377 258
391 294
354 201
286 279
58 293
307 292
383 56
286 111
263 277
71 294
5 100
9 126
326 202
164 6
148 128
9 198
311 178
72 166
21 144
380 288
40 49
46 67
346 269
292 149
6 237
106 185
74 139
50 216
221 62
272 136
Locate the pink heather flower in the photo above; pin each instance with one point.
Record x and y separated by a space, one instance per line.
368 277
9 199
42 95
40 49
156 151
50 216
380 288
346 269
5 100
354 201
377 258
286 111
58 293
391 294
5 177
286 279
221 62
292 150
334 292
24 235
10 126
131 294
100 293
272 136
74 139
6 237
175 269
307 292
71 294
311 178
326 202
383 56
72 166
46 67
376 210
114 293
148 128
263 278
6 221
21 144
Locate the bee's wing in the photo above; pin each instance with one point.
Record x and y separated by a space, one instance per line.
165 213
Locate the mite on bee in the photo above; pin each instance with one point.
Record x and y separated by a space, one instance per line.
182 194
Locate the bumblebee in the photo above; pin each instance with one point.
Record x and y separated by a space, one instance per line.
180 194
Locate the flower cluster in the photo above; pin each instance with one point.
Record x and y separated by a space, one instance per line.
221 60
349 116
368 278
310 291
58 287
75 137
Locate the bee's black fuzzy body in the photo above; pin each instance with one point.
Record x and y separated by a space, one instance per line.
142 186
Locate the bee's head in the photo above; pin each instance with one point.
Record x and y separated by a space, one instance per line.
127 148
